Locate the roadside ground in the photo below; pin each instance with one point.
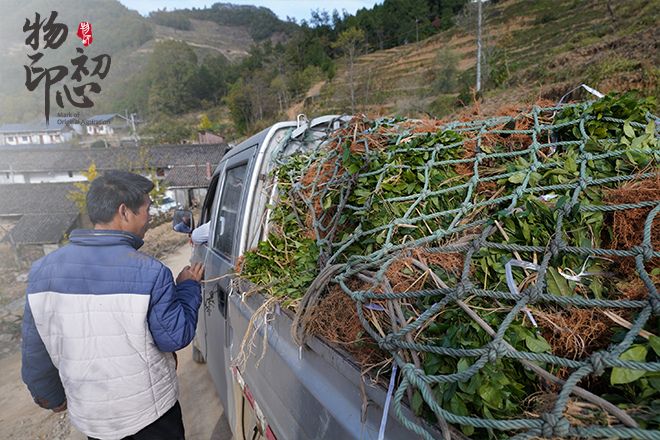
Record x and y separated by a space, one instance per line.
21 418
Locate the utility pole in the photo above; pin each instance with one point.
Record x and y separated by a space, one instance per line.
478 46
417 29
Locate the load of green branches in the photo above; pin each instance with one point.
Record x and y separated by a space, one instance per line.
508 267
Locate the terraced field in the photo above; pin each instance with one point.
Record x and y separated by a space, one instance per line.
533 50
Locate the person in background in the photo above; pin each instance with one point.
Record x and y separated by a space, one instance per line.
200 235
102 322
183 225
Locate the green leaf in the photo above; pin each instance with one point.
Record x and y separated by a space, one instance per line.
417 402
596 287
650 128
557 284
626 375
628 130
457 406
463 365
537 344
467 430
517 178
491 395
654 342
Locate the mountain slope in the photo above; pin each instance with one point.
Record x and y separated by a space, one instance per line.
533 50
119 32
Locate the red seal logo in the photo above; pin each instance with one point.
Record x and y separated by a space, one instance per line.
85 33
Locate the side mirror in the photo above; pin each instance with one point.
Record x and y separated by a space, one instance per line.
183 221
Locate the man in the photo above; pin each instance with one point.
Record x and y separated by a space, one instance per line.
200 234
102 322
183 225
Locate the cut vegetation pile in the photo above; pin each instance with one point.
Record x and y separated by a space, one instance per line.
507 268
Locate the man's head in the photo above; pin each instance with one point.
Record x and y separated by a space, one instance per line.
120 200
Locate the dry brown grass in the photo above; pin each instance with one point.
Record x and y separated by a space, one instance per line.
628 225
335 318
574 333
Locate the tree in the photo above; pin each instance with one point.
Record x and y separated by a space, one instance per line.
79 195
240 105
172 70
350 43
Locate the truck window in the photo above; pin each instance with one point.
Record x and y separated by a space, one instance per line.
227 217
208 200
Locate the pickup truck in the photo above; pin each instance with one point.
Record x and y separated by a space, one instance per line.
292 392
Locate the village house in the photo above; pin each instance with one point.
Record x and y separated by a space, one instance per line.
112 124
36 211
36 133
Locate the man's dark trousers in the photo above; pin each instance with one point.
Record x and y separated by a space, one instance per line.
168 427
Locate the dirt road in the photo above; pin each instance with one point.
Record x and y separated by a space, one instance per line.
21 419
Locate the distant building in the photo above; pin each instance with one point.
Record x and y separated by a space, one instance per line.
111 124
207 137
36 133
66 164
36 218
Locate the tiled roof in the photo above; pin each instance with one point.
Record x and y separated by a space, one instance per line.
51 158
105 118
35 127
38 198
41 229
196 176
46 211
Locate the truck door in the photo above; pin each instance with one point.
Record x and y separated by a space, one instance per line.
220 261
199 254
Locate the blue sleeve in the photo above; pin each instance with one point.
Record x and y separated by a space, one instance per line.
173 311
37 370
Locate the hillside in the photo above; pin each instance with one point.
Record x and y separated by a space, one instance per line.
533 50
119 32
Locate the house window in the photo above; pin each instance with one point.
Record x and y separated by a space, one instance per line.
11 139
70 173
25 138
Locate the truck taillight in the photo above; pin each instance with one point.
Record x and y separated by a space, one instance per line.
269 434
264 427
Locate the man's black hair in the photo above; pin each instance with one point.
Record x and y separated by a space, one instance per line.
112 189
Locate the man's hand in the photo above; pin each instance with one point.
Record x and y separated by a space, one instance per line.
194 272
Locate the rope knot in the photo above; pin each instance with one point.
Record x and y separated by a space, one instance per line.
556 246
466 207
387 343
475 245
598 362
520 191
496 350
463 288
554 426
533 294
646 251
410 371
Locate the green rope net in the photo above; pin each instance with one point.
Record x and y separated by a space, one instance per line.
507 266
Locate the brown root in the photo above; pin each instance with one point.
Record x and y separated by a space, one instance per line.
574 333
